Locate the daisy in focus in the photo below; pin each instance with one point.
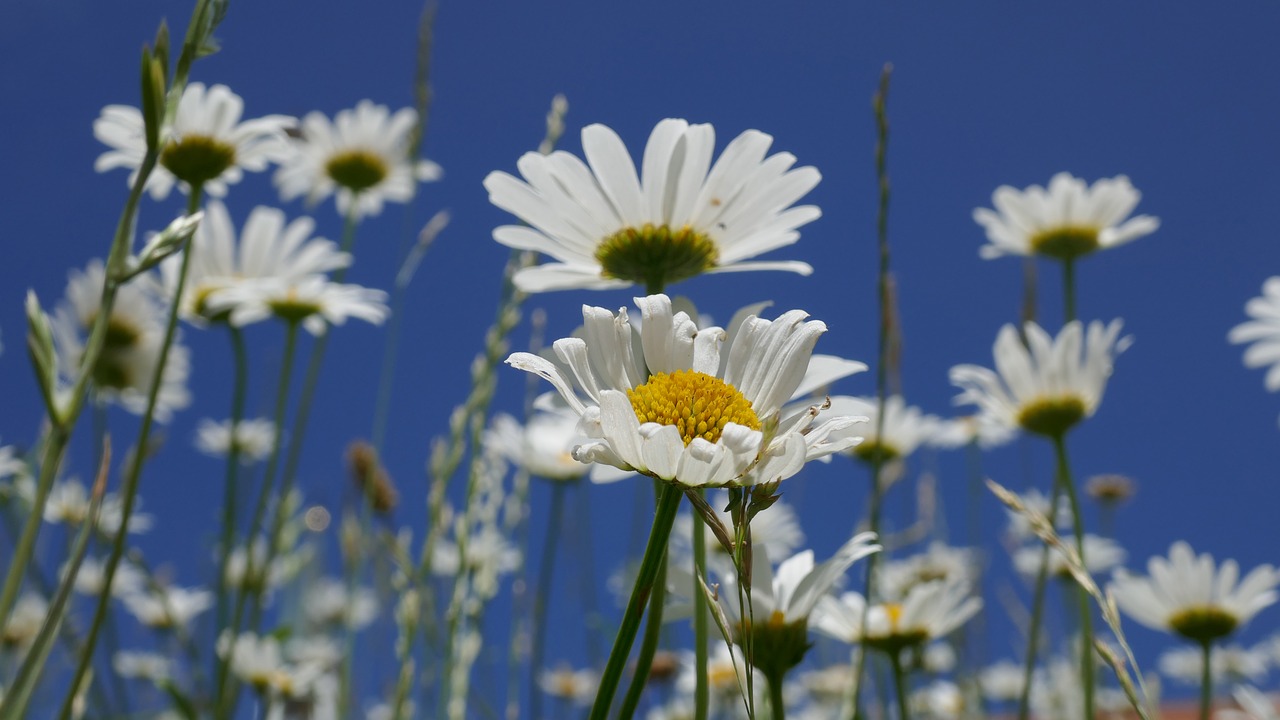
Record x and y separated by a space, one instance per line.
1047 385
206 144
1263 331
1065 221
668 401
681 216
361 157
1187 595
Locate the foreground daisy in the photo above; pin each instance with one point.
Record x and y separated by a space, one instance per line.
682 216
1187 595
1263 331
1067 220
361 156
668 401
1047 385
205 144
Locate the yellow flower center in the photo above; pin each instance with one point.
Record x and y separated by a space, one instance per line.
1051 416
697 404
1204 623
894 611
871 451
722 676
1066 242
656 255
898 637
197 159
357 170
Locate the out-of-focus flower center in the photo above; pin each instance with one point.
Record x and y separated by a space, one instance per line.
197 159
656 255
1203 624
292 308
1051 416
357 170
696 403
1066 242
896 637
870 451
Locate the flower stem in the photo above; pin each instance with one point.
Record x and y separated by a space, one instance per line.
668 503
1037 615
701 691
542 597
648 646
900 684
229 500
777 705
1206 681
1069 289
1086 617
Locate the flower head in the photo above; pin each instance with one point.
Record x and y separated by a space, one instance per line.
666 400
905 427
543 446
253 438
682 216
565 683
1100 554
1067 220
929 611
314 301
362 156
1263 331
205 144
1186 594
168 607
1047 385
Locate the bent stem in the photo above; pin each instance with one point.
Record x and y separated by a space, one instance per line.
1086 617
655 551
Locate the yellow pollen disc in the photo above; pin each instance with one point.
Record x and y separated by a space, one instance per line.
357 169
1066 242
697 404
894 611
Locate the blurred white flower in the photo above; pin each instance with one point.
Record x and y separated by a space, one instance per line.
127 580
362 156
254 438
1067 220
939 699
168 607
1019 527
1263 331
543 446
939 561
607 228
24 623
906 427
328 602
565 683
1100 554
313 300
1002 681
1229 663
981 428
149 666
1254 705
206 143
929 611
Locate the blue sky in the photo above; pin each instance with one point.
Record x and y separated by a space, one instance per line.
1182 100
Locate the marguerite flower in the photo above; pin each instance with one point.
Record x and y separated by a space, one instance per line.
361 156
205 144
906 427
564 683
978 428
1047 385
134 339
543 446
682 216
939 561
314 301
1263 331
268 248
667 401
929 611
1065 221
168 607
1233 663
1254 705
1100 554
253 438
1187 595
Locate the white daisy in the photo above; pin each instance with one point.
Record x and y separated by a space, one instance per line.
254 438
168 607
929 611
668 402
134 338
206 143
92 574
1019 527
681 217
362 155
314 301
268 247
543 446
327 602
565 683
139 665
1263 331
1187 595
1100 554
940 699
24 622
1254 705
939 561
981 428
906 427
1065 221
1002 681
776 530
1230 663
1047 385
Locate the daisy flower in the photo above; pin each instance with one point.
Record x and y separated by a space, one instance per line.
543 446
328 603
1263 331
268 247
1254 705
574 686
1002 681
906 427
1233 663
205 144
667 401
314 301
939 561
139 665
1100 554
253 438
134 338
930 611
24 622
682 216
978 428
361 156
1067 220
1186 594
1047 385
168 607
777 531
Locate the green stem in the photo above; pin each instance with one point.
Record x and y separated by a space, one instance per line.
1069 288
1037 614
777 704
1086 617
648 647
900 685
129 492
701 633
239 387
668 503
542 598
1206 681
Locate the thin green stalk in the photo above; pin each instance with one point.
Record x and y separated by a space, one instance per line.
652 634
879 105
668 503
542 597
1086 617
777 705
1206 681
701 633
1037 615
229 499
133 475
900 685
1069 289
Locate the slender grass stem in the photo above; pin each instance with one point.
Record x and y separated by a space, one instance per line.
1037 615
542 597
668 503
648 647
230 492
701 633
1086 616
